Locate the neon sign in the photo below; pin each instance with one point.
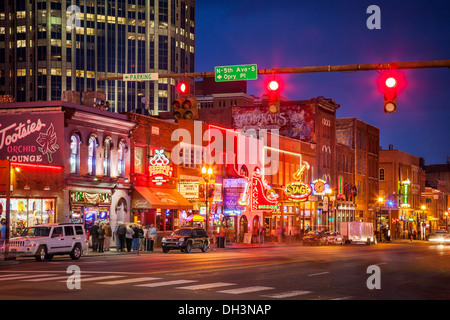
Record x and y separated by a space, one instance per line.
159 169
297 190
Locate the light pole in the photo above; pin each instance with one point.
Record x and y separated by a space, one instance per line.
207 172
380 201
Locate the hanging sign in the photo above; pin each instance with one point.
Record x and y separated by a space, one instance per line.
297 190
263 197
160 169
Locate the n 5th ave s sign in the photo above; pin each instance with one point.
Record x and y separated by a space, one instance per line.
236 73
140 77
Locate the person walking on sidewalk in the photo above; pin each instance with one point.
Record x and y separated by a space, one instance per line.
129 237
135 242
121 237
101 238
108 235
94 235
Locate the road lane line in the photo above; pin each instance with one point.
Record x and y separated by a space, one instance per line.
54 278
207 286
100 278
287 294
11 275
26 277
129 280
246 290
317 274
165 283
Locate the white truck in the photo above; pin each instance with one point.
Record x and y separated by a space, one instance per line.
357 232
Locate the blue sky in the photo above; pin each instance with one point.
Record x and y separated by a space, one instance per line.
295 33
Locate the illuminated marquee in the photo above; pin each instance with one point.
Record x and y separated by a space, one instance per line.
160 170
297 190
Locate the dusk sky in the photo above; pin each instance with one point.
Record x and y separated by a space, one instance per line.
296 33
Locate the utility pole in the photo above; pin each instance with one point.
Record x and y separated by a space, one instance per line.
330 68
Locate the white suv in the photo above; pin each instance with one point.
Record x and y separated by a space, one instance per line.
46 240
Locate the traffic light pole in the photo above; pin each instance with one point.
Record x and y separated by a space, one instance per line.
330 68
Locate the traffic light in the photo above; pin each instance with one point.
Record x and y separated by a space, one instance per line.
390 95
273 87
185 107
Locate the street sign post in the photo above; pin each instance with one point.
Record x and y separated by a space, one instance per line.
236 73
141 77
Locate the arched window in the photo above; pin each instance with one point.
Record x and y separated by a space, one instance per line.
107 145
74 153
92 155
121 159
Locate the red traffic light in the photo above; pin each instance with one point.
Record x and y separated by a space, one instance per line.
183 87
273 85
391 82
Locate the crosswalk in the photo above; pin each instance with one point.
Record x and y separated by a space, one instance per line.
226 288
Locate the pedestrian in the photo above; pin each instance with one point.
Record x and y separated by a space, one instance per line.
135 241
129 237
145 237
141 238
94 236
2 230
121 237
108 235
152 237
100 238
280 234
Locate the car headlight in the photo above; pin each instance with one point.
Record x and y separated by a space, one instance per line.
164 240
182 240
31 245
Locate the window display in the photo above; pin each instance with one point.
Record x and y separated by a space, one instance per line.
29 212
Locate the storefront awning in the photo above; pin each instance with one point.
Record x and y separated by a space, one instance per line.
158 198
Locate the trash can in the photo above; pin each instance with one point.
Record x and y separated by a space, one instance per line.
220 242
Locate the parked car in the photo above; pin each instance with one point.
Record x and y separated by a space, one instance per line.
334 237
186 239
314 238
47 240
440 236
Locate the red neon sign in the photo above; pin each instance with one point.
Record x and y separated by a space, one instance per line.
159 170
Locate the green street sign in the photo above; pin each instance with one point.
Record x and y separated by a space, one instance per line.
141 77
236 73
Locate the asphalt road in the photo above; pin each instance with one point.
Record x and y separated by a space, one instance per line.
378 272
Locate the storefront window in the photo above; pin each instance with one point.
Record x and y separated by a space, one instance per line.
29 212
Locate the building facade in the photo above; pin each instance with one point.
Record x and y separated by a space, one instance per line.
71 164
363 140
48 47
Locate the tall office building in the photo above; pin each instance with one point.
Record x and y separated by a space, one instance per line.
47 47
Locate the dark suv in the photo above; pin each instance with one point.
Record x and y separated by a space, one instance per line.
185 239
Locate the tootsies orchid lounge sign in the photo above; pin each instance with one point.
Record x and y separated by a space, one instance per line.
32 138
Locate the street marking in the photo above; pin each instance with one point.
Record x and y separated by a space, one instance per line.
343 298
166 283
129 280
100 278
26 277
11 275
52 278
207 286
246 290
317 274
286 294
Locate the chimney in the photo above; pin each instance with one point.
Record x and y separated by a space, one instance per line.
391 147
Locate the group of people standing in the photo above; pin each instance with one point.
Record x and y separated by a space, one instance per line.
128 237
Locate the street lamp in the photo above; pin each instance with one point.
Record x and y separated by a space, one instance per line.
207 172
380 201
